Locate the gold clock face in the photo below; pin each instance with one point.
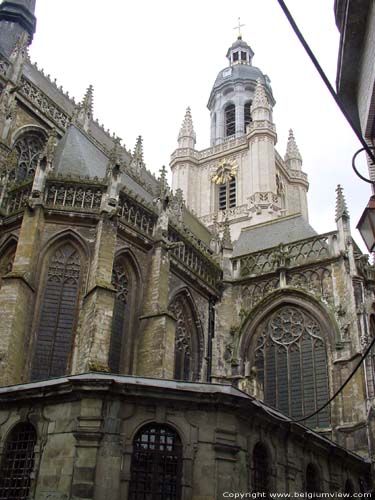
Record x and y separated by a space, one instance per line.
224 172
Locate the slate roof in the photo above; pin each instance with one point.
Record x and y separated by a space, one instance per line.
272 233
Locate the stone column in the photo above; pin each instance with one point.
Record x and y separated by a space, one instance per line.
155 354
96 324
17 298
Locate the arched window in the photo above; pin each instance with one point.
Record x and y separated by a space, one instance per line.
227 194
6 261
312 479
156 464
124 279
188 348
230 120
291 362
247 114
17 463
58 313
261 469
29 146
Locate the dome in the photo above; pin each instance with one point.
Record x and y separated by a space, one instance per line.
240 73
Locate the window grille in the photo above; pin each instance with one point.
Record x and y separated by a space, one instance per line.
261 468
312 479
227 194
156 465
120 318
291 362
58 314
29 146
230 120
247 114
17 463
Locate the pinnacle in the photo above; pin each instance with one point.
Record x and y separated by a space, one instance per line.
292 151
88 100
187 128
341 208
226 240
260 96
138 153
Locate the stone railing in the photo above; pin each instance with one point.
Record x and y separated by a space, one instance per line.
205 153
293 254
135 214
41 101
74 194
16 197
222 215
194 260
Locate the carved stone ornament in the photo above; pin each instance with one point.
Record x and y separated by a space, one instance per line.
224 172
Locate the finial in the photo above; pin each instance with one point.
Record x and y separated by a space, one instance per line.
341 208
137 161
163 183
239 28
187 137
292 151
88 100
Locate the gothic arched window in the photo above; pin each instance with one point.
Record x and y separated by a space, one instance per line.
187 340
6 261
17 463
124 280
261 469
156 464
58 313
29 146
312 479
227 194
247 114
230 120
291 362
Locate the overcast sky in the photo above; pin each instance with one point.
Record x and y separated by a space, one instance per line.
149 60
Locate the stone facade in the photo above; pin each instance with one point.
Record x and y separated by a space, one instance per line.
127 318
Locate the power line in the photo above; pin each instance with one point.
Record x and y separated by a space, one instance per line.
325 80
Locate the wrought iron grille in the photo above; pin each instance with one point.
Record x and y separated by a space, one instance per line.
291 362
312 479
18 463
58 312
261 479
156 465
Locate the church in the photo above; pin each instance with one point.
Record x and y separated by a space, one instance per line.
172 342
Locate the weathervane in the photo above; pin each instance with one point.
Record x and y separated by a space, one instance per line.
239 27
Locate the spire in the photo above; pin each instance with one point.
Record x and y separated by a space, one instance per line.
341 208
187 137
18 16
84 110
137 162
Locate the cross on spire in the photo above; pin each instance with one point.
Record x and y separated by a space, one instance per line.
239 27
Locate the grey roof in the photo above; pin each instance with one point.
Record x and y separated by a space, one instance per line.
77 155
272 233
244 73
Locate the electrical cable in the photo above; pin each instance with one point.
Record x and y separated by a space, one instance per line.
342 386
326 81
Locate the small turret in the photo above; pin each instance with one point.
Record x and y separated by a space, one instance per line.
293 158
187 137
16 18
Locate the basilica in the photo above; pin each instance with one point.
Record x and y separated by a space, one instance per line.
174 342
